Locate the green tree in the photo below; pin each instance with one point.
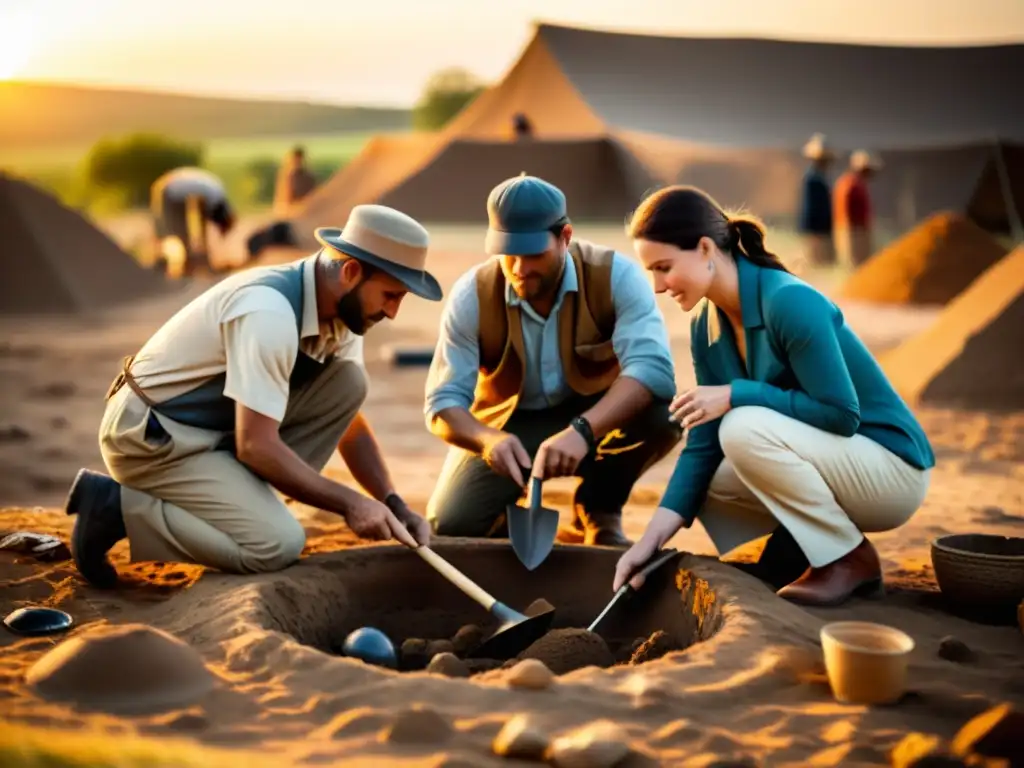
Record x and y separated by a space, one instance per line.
444 96
125 168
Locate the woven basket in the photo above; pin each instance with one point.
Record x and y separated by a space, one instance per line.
980 570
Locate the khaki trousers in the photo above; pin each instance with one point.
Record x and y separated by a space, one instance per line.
826 490
184 500
853 246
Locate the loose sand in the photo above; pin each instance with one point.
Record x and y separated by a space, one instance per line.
930 264
746 682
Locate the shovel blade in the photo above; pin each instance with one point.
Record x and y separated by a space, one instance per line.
532 532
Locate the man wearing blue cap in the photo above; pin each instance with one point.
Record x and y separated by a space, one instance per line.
251 387
553 361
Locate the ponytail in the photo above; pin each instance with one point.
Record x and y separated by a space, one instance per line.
746 239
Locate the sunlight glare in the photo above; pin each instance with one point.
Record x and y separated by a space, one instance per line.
17 41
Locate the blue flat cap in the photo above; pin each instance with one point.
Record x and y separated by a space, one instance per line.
520 214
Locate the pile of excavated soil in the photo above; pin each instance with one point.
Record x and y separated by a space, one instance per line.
561 650
53 260
930 264
127 669
971 356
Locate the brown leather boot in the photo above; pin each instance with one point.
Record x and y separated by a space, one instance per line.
859 572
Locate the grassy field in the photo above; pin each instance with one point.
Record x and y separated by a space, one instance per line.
333 147
58 168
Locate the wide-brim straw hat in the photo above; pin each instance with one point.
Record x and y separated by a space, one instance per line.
862 160
817 148
387 239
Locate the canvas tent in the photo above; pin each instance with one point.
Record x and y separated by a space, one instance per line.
729 115
53 260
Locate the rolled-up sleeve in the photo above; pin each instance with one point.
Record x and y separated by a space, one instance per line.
451 382
640 339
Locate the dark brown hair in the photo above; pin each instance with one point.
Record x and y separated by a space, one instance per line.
681 216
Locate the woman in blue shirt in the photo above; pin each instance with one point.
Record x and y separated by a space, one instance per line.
792 422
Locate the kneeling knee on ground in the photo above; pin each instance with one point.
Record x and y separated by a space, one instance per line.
279 546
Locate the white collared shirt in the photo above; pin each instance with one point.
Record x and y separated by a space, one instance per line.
247 332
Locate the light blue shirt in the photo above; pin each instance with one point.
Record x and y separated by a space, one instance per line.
640 341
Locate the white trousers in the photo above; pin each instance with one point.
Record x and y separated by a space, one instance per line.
825 489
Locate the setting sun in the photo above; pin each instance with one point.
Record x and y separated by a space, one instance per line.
16 44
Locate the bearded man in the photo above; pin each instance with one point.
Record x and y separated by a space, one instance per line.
247 389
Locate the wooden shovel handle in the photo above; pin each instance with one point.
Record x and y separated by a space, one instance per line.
456 577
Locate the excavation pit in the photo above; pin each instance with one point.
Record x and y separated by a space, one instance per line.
435 626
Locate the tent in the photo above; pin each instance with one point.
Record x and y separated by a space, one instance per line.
53 260
727 114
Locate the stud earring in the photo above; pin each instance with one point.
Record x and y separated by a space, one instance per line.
711 266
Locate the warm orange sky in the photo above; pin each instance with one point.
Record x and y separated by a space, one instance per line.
383 50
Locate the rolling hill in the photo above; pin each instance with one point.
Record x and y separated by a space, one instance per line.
34 115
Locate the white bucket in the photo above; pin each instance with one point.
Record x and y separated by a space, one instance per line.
866 662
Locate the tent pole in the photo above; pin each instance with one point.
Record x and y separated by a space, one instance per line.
1011 207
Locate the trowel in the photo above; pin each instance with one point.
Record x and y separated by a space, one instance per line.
649 567
532 528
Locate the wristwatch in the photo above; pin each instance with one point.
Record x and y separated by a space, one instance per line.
581 425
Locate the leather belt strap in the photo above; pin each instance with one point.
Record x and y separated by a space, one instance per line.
125 377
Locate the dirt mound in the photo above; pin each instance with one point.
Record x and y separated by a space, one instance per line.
52 260
930 264
563 650
970 357
132 668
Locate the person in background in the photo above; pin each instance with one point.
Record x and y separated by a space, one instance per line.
816 203
792 425
183 202
552 360
853 216
294 181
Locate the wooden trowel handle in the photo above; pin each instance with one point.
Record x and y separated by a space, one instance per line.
456 577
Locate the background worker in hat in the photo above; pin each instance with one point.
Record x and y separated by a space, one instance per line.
816 203
553 360
248 389
853 217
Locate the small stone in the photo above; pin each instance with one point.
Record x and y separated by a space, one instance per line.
952 649
521 738
413 654
449 665
531 674
417 725
467 639
435 647
600 744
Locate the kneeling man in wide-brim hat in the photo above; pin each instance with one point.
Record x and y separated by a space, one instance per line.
247 389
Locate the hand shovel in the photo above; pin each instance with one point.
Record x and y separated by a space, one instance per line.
650 566
532 528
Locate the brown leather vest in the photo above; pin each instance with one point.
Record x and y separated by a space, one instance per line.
586 322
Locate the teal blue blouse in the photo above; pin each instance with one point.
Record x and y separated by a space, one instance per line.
802 361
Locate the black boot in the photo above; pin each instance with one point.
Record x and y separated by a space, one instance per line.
782 561
95 500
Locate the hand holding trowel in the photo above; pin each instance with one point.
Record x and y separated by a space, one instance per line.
532 528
